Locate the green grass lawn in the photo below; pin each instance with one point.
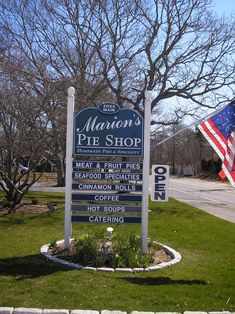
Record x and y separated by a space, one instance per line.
204 280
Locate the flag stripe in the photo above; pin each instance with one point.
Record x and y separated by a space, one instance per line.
230 154
230 175
206 130
218 135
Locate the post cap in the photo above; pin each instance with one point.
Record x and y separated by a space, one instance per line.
148 94
71 91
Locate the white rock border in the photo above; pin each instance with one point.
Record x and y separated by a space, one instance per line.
11 310
176 258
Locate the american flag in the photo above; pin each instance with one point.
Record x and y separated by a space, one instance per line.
219 130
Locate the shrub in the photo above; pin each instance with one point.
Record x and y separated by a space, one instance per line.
96 250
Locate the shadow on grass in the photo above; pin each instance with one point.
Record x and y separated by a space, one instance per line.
19 219
31 266
160 281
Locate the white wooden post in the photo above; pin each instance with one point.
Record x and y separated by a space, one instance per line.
146 163
69 167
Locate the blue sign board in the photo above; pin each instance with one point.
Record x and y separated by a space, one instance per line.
87 164
107 197
126 176
106 219
108 131
107 208
107 187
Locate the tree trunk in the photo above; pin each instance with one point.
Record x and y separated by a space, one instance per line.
60 172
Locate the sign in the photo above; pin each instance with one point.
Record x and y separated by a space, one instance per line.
107 219
107 187
108 131
111 209
87 164
108 108
126 176
107 197
160 183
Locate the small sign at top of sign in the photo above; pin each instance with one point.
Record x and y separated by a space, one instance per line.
108 108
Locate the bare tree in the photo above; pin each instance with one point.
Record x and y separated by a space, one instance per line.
174 48
23 139
46 37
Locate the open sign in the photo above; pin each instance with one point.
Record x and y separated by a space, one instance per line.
160 183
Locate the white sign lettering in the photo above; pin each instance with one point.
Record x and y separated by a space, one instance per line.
92 125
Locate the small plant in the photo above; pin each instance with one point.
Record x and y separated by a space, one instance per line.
97 249
53 246
88 249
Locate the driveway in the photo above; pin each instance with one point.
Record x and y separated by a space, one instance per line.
215 198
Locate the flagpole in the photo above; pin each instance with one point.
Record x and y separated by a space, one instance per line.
189 126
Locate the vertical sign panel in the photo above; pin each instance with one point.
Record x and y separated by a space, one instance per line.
160 183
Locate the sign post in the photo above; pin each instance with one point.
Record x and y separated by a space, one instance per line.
146 162
69 169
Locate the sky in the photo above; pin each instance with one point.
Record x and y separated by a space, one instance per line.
224 7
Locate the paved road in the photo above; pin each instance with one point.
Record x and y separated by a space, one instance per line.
214 197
